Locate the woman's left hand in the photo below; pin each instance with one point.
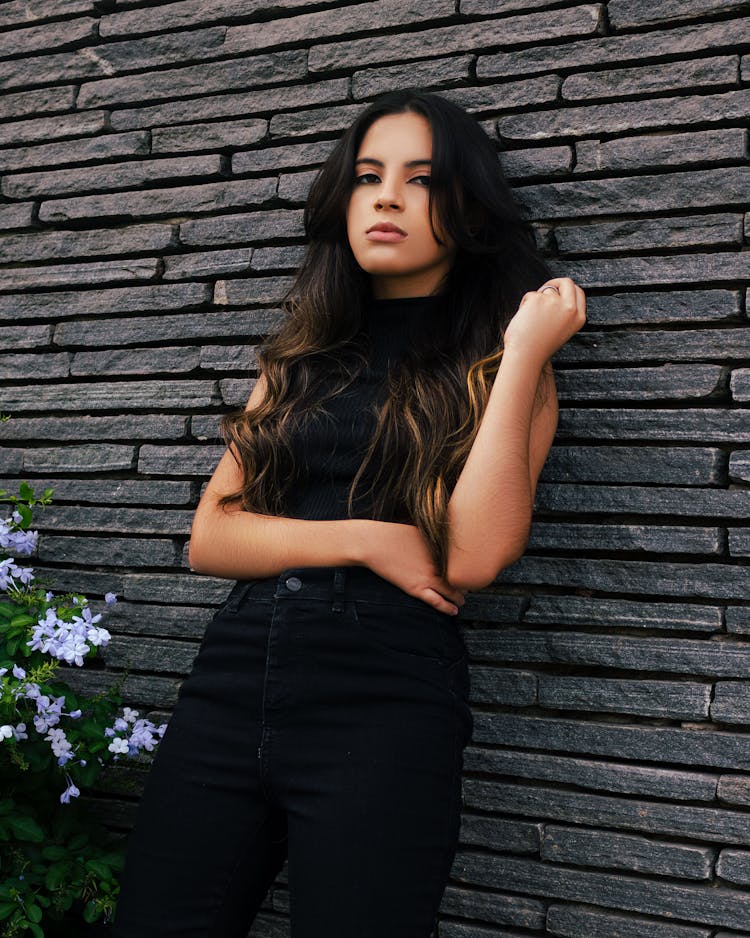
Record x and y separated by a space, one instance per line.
546 320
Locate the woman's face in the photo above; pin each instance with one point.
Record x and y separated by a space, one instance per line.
392 173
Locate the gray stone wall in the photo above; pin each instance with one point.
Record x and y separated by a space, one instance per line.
154 160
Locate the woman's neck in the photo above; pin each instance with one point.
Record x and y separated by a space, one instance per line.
417 283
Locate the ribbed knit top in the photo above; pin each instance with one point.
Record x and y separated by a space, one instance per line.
330 448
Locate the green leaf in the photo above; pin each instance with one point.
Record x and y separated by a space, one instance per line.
55 852
115 860
90 912
26 491
34 912
102 870
25 828
36 931
7 908
78 842
57 874
20 622
26 514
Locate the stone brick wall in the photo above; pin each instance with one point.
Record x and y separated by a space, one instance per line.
154 160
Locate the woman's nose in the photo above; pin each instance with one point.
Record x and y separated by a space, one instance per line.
388 195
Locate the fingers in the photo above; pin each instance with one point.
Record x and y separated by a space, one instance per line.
443 604
433 598
569 291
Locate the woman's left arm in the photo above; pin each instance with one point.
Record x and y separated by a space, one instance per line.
490 508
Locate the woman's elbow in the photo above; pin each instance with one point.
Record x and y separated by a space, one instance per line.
471 574
194 558
468 581
473 578
196 546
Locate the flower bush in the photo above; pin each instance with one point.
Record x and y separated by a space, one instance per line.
55 858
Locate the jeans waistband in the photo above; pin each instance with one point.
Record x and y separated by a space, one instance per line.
335 584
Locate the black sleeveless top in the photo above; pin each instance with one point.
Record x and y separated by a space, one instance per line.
329 448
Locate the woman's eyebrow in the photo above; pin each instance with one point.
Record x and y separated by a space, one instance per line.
408 165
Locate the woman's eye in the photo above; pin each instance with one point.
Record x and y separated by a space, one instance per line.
365 177
425 180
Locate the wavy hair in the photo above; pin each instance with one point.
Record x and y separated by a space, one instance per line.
437 394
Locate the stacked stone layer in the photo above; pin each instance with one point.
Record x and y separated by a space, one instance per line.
154 163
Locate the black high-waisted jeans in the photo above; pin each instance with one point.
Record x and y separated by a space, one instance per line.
324 719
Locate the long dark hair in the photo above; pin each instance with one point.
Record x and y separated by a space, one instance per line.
436 397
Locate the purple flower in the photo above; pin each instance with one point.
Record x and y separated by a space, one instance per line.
16 541
60 745
70 792
48 714
141 736
98 636
118 746
9 570
66 641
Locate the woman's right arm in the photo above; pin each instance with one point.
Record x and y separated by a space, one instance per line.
237 544
229 542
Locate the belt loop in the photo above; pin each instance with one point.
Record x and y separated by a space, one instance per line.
339 582
242 590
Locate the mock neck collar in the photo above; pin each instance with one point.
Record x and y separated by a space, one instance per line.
400 309
403 302
394 323
406 301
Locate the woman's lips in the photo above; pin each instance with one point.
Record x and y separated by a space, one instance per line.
385 231
378 235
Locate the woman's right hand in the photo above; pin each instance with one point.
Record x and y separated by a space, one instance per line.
399 553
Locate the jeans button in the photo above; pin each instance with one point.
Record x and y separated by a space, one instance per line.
293 583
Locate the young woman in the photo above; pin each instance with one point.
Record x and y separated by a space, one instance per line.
385 464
